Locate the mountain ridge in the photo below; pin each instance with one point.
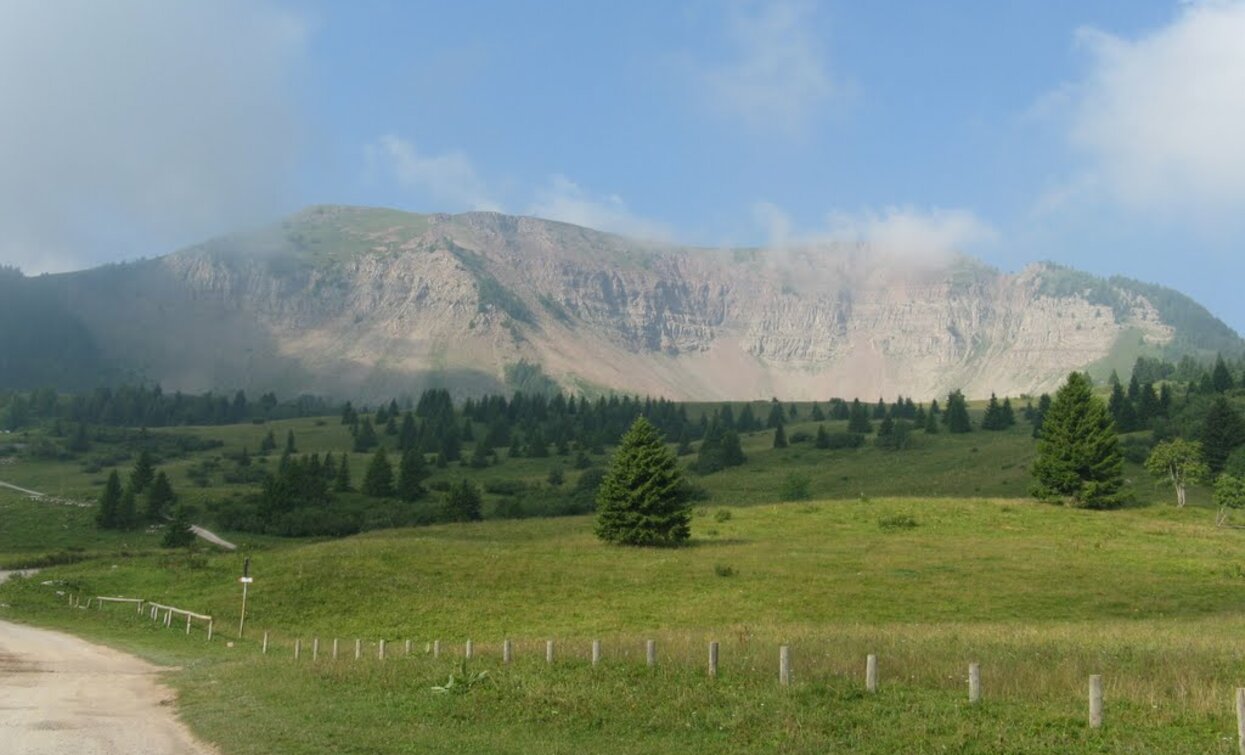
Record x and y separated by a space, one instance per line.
375 302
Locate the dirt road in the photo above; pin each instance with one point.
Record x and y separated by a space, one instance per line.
60 694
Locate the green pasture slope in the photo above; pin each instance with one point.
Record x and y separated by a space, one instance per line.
1150 597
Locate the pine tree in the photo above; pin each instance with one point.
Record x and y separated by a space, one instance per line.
1079 458
127 510
1121 409
931 423
1222 432
160 498
780 436
858 419
993 419
268 444
412 471
290 446
378 480
341 483
956 416
643 500
1007 413
143 473
817 415
365 440
178 534
109 502
823 438
775 417
463 503
1220 378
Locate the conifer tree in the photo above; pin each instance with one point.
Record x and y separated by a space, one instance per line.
269 443
643 500
823 438
1220 378
127 510
956 415
775 416
993 419
858 419
160 498
931 423
178 534
378 480
412 471
817 415
341 483
143 473
1222 432
109 502
1079 460
463 502
290 446
365 440
780 436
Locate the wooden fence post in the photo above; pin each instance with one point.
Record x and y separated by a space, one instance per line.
436 648
315 649
380 651
469 650
713 659
650 652
548 651
209 637
507 652
407 650
187 623
264 649
334 648
871 673
596 652
1095 701
784 666
298 648
974 683
1240 719
358 648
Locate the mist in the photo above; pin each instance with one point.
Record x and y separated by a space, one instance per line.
135 126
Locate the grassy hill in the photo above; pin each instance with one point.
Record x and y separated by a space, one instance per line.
1041 596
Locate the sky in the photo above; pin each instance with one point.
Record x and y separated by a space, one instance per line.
1104 135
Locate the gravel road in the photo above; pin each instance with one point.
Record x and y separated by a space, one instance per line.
60 694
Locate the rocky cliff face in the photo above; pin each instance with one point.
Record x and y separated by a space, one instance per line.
374 303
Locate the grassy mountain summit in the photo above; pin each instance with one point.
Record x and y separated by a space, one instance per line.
372 302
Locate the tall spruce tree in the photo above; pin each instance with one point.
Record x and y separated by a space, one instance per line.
858 419
412 471
160 498
1222 432
955 417
780 436
1220 378
378 480
109 502
643 500
143 473
1079 460
341 483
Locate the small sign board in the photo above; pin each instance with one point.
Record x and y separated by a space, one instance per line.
246 580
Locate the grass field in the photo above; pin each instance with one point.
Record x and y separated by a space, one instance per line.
1041 596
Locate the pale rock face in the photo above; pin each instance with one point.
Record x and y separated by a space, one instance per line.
385 304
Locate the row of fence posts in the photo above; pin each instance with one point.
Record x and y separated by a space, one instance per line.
650 656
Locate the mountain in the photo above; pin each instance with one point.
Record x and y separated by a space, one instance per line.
372 303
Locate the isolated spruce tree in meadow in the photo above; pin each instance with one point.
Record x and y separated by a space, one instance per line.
109 502
858 419
642 500
1079 460
290 446
378 480
823 438
780 436
127 511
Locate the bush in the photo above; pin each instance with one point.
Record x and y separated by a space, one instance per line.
897 522
795 488
721 515
723 570
844 440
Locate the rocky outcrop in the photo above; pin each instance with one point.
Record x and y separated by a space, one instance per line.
372 303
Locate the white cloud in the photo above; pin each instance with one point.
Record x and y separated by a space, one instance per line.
905 233
1161 116
448 179
563 199
777 76
134 125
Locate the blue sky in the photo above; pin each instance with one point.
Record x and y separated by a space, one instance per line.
1103 135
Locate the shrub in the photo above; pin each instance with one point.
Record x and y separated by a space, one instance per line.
795 488
897 522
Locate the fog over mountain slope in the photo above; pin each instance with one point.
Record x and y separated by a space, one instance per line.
371 303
